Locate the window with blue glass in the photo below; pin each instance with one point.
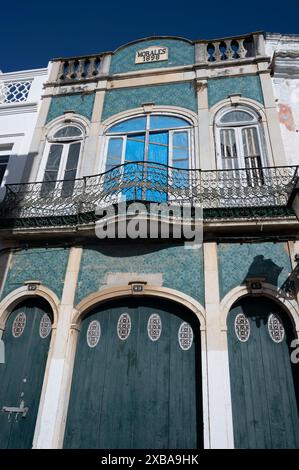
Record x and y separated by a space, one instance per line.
148 146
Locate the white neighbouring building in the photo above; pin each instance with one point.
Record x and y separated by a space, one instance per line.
284 50
20 98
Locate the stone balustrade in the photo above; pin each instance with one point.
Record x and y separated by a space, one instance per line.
79 68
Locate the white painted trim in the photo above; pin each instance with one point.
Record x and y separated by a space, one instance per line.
22 74
254 107
117 292
51 127
268 290
9 302
173 111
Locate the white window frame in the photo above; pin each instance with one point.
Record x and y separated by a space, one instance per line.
65 142
6 150
238 128
146 132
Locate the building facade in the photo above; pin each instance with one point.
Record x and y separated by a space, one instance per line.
149 342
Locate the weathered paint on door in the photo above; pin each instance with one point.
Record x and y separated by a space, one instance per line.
21 376
264 382
136 392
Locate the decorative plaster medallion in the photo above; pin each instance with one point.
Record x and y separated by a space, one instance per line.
275 328
93 333
124 326
45 326
18 325
242 327
185 336
154 327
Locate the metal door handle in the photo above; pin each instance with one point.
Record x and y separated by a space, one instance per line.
14 409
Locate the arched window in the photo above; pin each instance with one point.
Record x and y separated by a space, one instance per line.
152 138
63 151
238 142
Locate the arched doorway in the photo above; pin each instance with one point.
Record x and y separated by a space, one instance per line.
136 380
264 382
26 338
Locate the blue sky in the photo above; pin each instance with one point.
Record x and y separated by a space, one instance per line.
33 32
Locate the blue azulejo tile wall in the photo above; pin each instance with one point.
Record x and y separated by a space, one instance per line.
180 52
236 262
80 103
181 268
176 94
40 264
248 86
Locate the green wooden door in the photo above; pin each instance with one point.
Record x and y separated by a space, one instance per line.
264 382
26 338
139 386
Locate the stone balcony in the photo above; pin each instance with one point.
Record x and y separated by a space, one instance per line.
74 70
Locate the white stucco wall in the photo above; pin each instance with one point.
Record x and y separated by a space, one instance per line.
284 50
17 122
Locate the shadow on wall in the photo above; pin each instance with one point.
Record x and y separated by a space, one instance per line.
17 171
264 268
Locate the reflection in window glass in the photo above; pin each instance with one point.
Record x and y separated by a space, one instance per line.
3 164
114 152
68 131
135 148
167 122
71 169
52 168
130 125
180 150
158 147
237 116
228 143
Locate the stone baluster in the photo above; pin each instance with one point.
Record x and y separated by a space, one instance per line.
62 70
229 50
70 73
93 66
218 53
242 51
210 55
81 68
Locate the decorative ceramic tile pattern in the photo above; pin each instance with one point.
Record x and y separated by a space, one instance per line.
179 53
176 94
248 86
81 104
45 265
237 262
182 268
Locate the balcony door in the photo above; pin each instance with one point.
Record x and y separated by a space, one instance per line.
239 146
148 145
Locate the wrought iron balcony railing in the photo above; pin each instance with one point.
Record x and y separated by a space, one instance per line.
43 203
